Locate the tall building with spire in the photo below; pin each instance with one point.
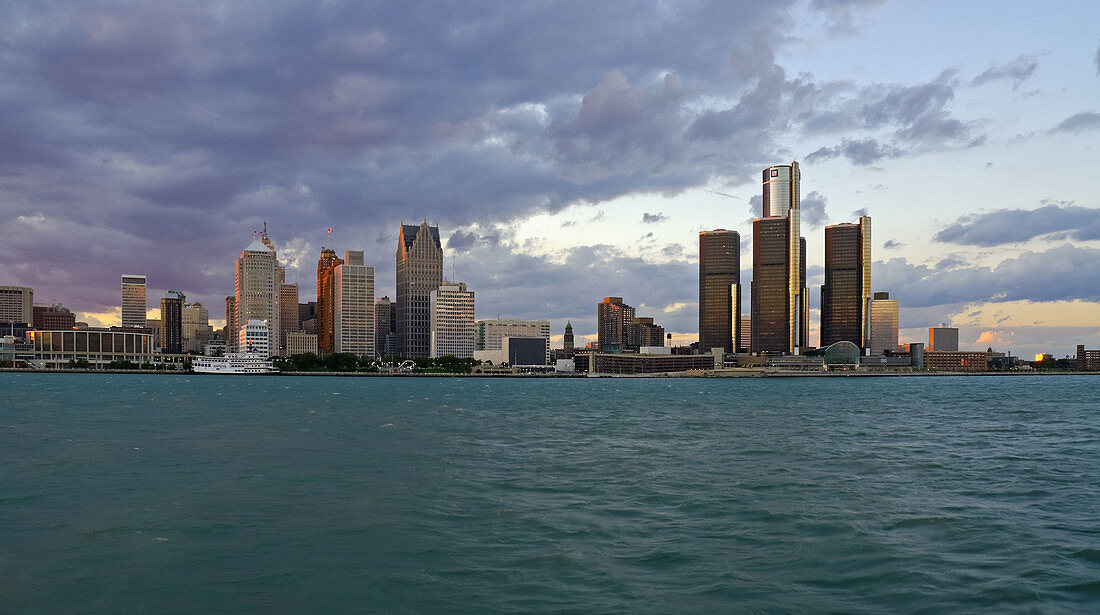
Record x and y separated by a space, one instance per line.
846 294
419 272
780 311
326 300
719 290
257 291
567 341
133 300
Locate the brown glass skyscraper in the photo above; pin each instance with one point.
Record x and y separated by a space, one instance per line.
847 287
719 290
326 298
419 272
780 313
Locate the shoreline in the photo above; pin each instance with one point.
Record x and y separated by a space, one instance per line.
748 373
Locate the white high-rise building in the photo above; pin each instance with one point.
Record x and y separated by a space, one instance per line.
489 334
452 321
133 300
353 306
16 304
257 291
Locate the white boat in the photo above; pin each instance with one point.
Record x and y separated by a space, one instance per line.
239 363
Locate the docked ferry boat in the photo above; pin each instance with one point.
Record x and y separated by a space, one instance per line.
239 363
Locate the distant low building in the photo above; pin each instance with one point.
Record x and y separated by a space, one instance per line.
54 349
54 317
646 363
958 361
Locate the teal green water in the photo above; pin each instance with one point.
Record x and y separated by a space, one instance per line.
128 493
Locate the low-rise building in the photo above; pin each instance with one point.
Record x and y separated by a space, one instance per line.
99 347
300 342
647 363
956 361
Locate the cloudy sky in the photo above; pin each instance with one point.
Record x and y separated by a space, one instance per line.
567 150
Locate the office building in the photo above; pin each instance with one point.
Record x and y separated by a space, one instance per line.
300 342
419 272
197 331
846 294
1087 360
491 333
883 323
955 361
746 333
257 295
385 339
612 318
451 321
719 290
231 324
326 300
943 338
288 312
16 304
52 317
353 306
171 319
642 332
133 300
255 335
779 309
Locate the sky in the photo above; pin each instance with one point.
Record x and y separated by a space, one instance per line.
568 151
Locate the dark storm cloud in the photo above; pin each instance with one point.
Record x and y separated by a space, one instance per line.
1086 120
1005 226
1017 71
157 136
1061 273
890 244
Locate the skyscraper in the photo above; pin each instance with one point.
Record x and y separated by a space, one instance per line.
451 321
847 289
385 340
612 318
567 341
326 298
196 327
16 304
884 324
419 272
719 289
231 327
257 295
780 313
133 300
288 312
353 306
171 318
943 338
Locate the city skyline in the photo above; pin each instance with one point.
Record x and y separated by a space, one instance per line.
564 166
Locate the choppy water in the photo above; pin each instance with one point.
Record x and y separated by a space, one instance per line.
123 493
